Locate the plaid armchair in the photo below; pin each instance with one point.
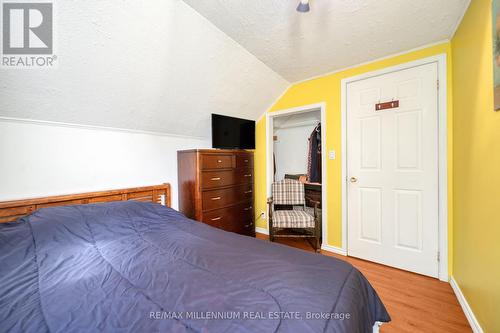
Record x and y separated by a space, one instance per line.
288 216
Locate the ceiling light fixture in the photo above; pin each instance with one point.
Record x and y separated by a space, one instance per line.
303 6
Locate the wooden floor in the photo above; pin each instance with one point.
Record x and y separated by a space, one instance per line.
415 302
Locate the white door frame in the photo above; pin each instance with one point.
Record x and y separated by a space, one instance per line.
442 151
270 149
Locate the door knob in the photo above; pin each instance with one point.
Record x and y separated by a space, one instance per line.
353 179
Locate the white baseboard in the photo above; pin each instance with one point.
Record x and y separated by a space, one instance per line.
334 249
324 247
261 230
474 324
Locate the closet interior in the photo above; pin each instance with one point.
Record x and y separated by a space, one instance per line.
297 150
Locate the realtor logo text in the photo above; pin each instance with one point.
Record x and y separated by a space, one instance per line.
27 35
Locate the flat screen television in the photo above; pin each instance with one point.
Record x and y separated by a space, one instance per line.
232 133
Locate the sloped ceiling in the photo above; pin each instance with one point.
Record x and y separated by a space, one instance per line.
335 34
153 65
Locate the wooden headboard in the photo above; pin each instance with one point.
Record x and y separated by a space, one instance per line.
12 210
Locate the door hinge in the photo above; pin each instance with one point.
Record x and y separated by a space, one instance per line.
438 256
438 84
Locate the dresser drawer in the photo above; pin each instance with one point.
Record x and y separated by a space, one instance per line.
214 218
219 178
245 175
238 218
212 161
244 161
215 199
248 229
216 187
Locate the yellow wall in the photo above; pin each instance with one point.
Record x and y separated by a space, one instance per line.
476 265
260 173
327 89
473 157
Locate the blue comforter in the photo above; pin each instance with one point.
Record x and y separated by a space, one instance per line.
142 267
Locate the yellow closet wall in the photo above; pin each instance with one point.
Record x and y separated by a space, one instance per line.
327 89
476 264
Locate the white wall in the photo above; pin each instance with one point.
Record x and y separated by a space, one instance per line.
153 65
291 149
47 159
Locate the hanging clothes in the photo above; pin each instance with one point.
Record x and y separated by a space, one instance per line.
314 156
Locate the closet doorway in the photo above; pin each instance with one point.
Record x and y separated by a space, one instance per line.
291 154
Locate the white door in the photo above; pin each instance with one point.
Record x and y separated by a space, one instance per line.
392 170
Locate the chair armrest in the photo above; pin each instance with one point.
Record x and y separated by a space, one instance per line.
313 203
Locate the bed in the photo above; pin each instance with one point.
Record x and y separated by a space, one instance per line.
122 261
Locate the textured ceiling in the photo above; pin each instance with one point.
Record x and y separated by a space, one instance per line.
151 65
335 34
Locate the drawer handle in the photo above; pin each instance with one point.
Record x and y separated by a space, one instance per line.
246 161
216 198
249 175
248 208
215 178
248 225
246 192
219 161
216 218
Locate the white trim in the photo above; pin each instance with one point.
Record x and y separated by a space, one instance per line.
343 153
474 323
260 230
376 326
333 249
324 247
443 166
269 155
460 18
373 61
94 127
443 150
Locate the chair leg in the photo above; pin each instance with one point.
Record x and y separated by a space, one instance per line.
271 234
317 232
270 225
318 245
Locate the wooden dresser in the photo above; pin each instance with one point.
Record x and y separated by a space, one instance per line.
216 187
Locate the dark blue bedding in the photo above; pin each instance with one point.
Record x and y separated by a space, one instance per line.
142 267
